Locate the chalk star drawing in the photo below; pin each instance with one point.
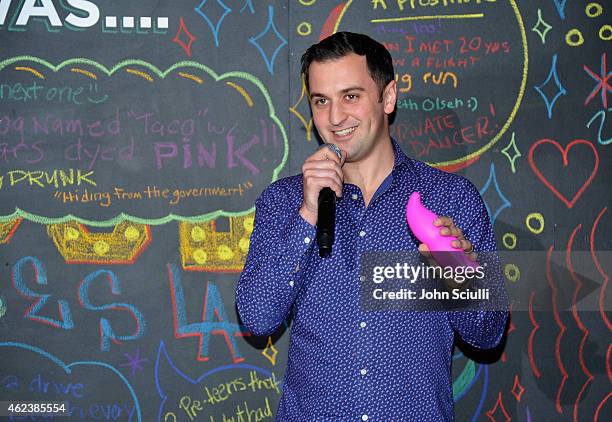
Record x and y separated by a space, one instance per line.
499 405
134 362
264 34
294 109
517 389
270 351
249 4
495 197
515 152
221 10
179 40
602 80
541 27
560 5
552 75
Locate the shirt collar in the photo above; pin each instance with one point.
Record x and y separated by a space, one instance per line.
401 159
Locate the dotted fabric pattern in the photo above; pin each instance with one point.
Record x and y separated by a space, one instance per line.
346 364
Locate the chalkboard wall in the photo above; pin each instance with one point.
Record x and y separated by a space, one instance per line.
135 137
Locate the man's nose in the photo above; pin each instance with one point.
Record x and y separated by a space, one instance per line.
337 115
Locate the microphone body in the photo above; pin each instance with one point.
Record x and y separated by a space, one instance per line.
326 221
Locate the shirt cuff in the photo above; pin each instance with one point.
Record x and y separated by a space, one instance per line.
299 238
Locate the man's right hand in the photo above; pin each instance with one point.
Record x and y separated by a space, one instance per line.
321 169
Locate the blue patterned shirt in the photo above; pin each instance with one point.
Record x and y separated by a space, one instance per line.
346 364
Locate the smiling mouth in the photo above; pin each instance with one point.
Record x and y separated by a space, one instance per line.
345 132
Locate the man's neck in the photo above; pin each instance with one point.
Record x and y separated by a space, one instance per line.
368 174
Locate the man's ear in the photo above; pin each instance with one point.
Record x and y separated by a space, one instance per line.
390 97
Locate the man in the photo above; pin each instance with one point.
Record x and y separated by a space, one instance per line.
345 363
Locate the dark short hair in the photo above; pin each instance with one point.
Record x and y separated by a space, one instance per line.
340 44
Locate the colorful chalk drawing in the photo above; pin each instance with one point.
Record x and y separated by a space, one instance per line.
601 114
560 5
306 121
577 319
605 32
466 379
214 318
134 362
498 407
512 272
203 248
214 26
517 389
593 10
252 144
78 246
553 77
185 398
541 27
182 33
44 362
512 152
304 29
39 300
572 378
385 23
574 37
540 220
270 351
269 58
42 302
497 197
509 240
569 203
8 228
106 331
602 80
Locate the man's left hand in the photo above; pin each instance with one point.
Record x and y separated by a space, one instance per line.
448 228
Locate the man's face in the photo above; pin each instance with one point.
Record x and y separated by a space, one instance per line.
346 106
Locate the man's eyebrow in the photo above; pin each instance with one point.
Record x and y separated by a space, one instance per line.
316 94
352 88
343 91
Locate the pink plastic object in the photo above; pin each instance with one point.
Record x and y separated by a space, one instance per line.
420 220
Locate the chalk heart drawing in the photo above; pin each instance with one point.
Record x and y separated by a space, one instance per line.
564 153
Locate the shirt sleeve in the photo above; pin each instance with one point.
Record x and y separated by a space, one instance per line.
480 328
280 245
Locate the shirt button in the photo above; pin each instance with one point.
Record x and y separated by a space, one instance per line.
362 233
362 278
291 283
362 324
363 371
306 240
364 417
354 196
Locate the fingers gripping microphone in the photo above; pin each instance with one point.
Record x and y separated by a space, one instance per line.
326 216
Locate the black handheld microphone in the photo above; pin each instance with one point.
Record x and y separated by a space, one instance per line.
326 221
326 216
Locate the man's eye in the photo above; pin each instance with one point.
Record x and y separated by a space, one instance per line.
320 101
352 97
